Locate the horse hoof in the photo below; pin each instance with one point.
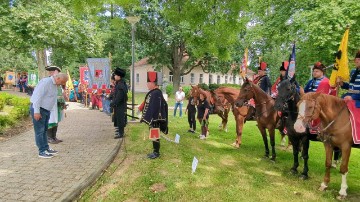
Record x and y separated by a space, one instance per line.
303 177
341 197
322 187
293 171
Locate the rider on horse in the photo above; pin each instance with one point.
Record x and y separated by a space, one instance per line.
262 79
353 86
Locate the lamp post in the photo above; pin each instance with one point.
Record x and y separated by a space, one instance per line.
133 20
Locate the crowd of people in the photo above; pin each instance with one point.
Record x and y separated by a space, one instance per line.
48 102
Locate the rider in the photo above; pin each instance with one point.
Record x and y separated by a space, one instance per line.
320 83
354 85
283 68
262 79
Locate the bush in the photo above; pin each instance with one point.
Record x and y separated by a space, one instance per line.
20 109
169 90
186 90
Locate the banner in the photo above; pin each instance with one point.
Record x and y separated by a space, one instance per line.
10 78
341 68
69 83
33 77
99 72
243 67
290 72
84 75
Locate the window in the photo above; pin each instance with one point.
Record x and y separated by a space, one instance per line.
218 79
210 79
181 79
226 79
201 78
137 78
234 80
170 77
192 78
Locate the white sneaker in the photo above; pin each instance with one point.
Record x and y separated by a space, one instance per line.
202 137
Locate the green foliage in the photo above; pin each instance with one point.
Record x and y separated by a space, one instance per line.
19 110
169 90
186 90
204 86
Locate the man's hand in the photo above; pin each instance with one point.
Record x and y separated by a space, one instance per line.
339 81
347 98
37 116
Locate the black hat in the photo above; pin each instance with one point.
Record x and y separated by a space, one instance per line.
52 68
357 54
284 66
319 66
120 72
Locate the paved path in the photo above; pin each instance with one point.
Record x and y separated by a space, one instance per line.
88 149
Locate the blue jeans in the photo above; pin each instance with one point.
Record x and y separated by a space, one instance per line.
178 104
40 128
106 105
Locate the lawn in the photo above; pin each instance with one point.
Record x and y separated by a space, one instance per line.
223 173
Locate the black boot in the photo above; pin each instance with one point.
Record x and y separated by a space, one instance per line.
156 153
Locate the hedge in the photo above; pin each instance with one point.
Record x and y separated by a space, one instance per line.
20 109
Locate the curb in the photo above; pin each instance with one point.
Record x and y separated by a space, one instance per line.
73 195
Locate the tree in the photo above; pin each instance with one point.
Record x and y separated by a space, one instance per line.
181 35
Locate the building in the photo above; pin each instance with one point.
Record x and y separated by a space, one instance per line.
195 77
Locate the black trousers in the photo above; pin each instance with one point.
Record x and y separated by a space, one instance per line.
51 132
119 119
192 120
156 146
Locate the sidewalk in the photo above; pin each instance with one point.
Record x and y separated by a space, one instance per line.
88 148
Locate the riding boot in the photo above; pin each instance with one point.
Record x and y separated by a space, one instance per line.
156 147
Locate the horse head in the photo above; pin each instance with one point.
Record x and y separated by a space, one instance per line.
308 109
286 92
246 93
194 92
216 103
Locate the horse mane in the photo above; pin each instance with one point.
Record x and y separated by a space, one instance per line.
229 93
258 90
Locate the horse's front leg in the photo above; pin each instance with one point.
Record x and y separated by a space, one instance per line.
345 155
265 140
305 155
329 152
272 143
239 120
295 142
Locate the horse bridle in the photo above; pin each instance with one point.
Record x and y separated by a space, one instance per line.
285 100
309 117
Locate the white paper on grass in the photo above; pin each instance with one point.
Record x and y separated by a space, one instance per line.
194 164
177 138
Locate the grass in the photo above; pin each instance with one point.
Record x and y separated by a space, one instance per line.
223 173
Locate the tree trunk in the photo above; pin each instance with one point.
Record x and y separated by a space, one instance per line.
176 78
41 62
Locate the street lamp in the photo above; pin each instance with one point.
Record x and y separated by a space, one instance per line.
133 20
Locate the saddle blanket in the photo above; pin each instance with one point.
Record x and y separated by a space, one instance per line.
355 123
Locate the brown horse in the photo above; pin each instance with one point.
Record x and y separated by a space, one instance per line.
222 109
241 114
336 132
266 116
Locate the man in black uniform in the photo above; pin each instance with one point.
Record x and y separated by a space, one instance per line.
263 80
119 102
155 110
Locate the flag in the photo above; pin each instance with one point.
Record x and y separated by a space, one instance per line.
290 72
341 66
243 67
69 84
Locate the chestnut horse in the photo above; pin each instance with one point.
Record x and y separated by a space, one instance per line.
336 132
286 103
221 108
241 114
265 115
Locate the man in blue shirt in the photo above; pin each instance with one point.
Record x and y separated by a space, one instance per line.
319 82
353 86
42 101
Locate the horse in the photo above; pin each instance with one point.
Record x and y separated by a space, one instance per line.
336 131
286 103
241 114
221 110
266 116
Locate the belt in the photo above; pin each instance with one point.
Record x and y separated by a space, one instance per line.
354 91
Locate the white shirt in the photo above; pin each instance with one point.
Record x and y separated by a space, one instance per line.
44 95
179 96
